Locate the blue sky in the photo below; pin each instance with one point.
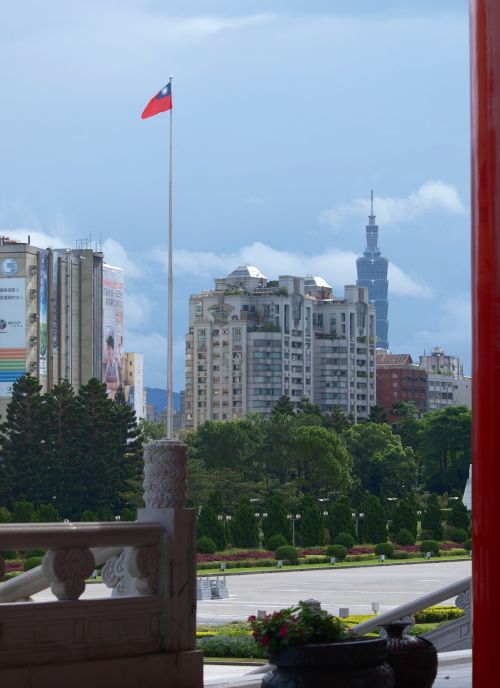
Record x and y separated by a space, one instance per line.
286 114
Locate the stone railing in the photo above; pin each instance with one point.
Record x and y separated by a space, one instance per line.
454 635
144 635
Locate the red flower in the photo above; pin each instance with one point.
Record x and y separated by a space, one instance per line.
252 618
265 640
283 630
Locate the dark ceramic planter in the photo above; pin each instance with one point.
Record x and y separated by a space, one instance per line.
413 659
356 663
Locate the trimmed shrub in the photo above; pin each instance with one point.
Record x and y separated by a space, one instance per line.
288 554
385 548
468 544
128 514
8 554
405 537
206 545
314 561
23 512
438 614
337 551
34 553
227 646
400 554
88 516
5 515
32 562
425 534
275 541
360 557
47 513
459 535
345 539
430 546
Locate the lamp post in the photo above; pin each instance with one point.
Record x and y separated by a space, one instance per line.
357 517
260 518
293 518
224 518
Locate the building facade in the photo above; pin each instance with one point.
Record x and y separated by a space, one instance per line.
399 379
372 274
446 383
251 341
61 317
133 382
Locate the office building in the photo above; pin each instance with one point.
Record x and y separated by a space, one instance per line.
61 317
372 274
251 340
399 379
133 382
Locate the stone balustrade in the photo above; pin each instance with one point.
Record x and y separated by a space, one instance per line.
145 634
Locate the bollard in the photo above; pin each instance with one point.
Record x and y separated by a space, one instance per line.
375 607
382 558
279 563
343 612
332 560
261 614
222 566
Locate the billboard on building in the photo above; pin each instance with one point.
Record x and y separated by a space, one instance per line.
112 305
43 291
55 303
12 329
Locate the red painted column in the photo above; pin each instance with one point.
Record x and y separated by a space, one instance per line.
485 111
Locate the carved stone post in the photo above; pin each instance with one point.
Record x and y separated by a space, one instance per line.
67 570
165 474
165 489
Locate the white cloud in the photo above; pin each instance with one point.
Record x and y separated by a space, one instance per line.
138 309
335 265
432 196
404 285
37 238
116 255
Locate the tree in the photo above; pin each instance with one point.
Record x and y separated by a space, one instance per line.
445 448
276 522
432 518
406 424
128 440
405 517
375 521
459 516
150 430
321 460
215 501
380 462
24 474
23 512
340 518
209 526
47 513
244 530
306 407
378 414
311 530
338 421
62 448
283 406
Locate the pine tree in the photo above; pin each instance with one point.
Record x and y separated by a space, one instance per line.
23 512
210 526
62 424
276 522
375 521
405 516
244 530
216 502
340 518
459 516
432 518
128 442
283 406
23 445
94 472
378 414
338 421
47 513
312 532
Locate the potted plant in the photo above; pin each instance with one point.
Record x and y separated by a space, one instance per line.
311 648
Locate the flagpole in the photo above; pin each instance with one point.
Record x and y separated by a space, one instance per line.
170 396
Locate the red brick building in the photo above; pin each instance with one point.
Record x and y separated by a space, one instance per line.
399 379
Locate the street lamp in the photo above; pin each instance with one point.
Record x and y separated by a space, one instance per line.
224 518
356 517
260 517
293 518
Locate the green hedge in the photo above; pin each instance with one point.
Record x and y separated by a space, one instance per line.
361 557
32 562
438 614
227 646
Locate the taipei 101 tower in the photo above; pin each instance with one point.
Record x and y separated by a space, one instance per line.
372 273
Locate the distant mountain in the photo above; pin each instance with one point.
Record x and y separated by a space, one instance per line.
158 397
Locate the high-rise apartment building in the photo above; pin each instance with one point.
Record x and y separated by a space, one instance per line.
446 383
250 341
399 379
372 273
61 317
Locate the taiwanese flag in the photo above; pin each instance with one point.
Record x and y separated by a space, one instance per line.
161 102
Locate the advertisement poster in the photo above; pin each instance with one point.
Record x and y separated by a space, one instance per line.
55 302
12 332
113 288
43 290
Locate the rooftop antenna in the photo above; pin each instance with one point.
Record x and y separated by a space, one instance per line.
371 201
371 217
